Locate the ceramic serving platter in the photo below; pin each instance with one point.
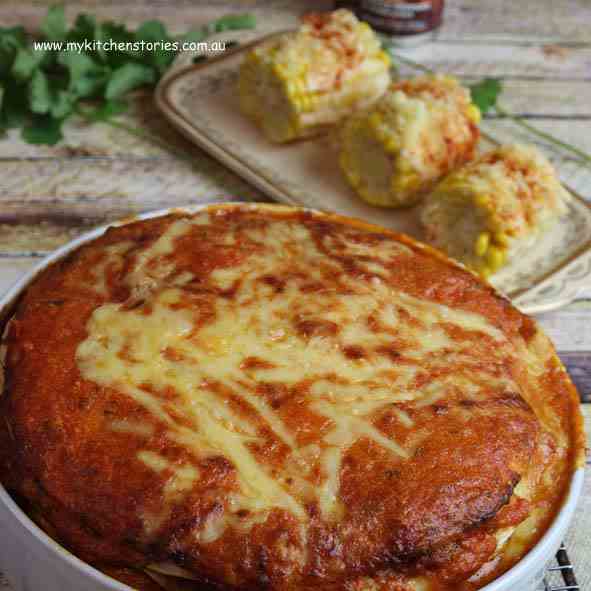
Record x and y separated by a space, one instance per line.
201 101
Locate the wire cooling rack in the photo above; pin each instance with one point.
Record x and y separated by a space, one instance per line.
560 575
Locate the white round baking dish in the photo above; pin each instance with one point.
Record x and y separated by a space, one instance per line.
32 561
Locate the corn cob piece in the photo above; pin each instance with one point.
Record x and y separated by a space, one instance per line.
494 207
396 151
300 83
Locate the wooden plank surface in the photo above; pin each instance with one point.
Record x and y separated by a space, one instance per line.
517 21
526 62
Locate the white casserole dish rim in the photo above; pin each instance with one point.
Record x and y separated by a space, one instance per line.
519 574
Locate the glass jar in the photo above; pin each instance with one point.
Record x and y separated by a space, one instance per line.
407 22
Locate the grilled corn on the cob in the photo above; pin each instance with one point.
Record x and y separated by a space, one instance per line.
298 84
418 131
485 212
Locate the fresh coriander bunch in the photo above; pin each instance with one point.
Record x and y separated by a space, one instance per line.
65 71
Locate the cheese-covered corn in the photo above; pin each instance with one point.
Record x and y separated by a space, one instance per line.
297 84
495 206
417 132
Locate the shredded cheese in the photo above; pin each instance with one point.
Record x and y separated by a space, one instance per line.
127 348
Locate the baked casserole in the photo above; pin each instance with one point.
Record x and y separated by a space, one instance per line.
259 397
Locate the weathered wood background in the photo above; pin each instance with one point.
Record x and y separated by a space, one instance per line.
540 48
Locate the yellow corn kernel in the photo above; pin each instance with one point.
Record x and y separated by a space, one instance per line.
384 57
482 244
501 238
365 194
481 200
375 119
404 166
485 272
405 181
495 257
473 113
448 80
280 72
352 176
391 145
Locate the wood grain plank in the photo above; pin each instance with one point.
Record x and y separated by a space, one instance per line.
12 269
96 189
545 98
574 132
503 20
578 133
178 15
101 140
578 364
518 21
37 239
525 62
569 328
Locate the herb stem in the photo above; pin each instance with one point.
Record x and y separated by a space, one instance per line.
410 62
542 134
585 158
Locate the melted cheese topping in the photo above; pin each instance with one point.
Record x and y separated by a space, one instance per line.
186 355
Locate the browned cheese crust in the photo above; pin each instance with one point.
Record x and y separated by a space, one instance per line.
262 398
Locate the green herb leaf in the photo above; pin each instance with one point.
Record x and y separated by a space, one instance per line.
87 78
106 111
160 56
194 36
11 40
54 25
84 28
63 104
78 64
40 93
14 109
129 77
43 129
152 31
115 33
41 89
485 93
232 22
12 37
25 63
